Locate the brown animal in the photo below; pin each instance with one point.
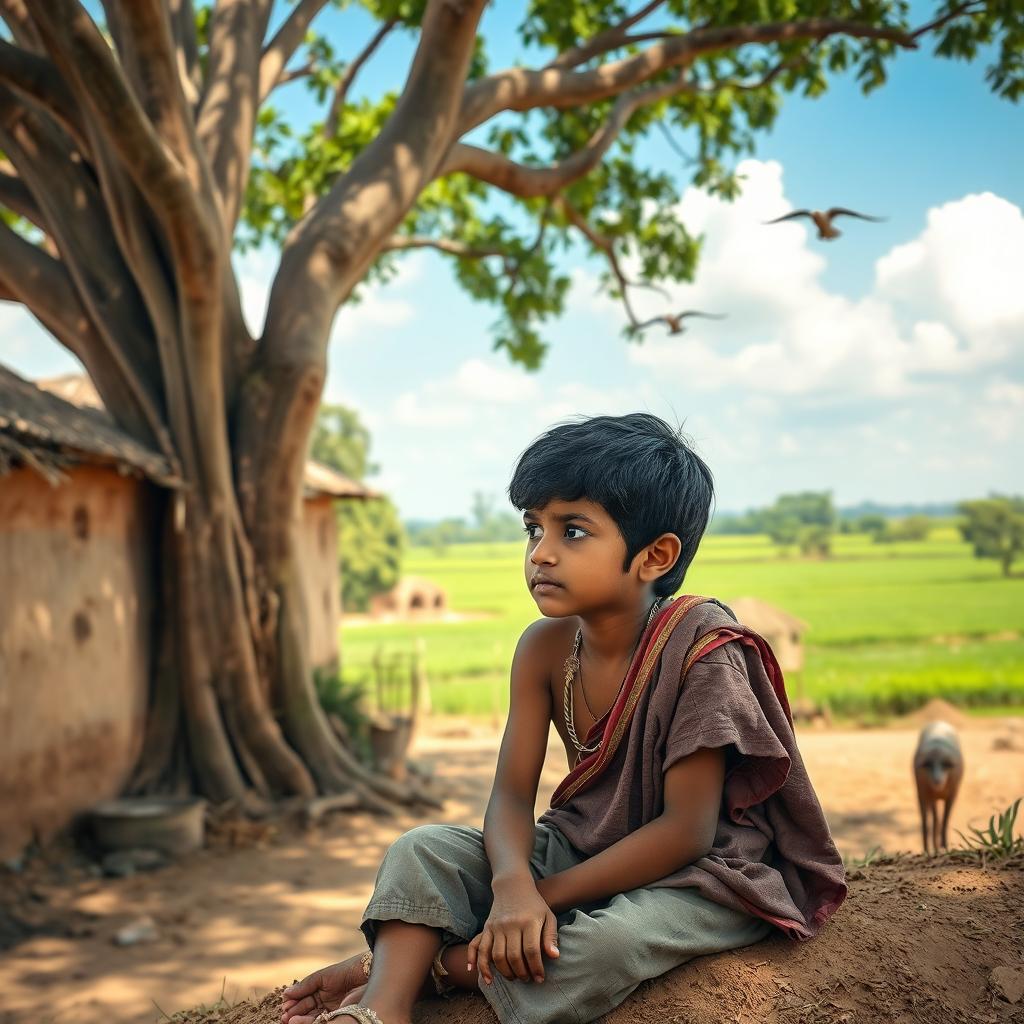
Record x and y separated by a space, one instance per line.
823 219
938 771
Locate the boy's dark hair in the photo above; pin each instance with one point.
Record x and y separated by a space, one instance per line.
640 470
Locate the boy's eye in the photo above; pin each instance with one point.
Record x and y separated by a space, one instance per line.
529 528
578 530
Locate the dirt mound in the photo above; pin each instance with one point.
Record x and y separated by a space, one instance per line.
919 941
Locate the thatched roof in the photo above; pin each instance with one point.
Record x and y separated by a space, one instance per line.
43 431
321 479
79 390
765 618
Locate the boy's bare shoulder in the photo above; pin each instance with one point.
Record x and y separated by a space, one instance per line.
548 636
543 647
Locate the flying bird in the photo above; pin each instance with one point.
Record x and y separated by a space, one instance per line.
675 322
823 219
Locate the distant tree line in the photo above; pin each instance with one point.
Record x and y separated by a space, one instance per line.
372 537
486 523
994 527
804 521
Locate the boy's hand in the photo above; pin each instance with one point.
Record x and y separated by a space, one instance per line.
520 927
325 989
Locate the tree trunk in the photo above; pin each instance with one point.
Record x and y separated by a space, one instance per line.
139 191
232 694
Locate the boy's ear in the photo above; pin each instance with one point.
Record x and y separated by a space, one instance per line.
658 557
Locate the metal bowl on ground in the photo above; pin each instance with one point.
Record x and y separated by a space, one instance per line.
173 825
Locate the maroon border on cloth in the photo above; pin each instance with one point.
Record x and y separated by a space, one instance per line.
613 723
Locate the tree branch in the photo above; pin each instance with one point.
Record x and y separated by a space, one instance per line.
512 262
524 180
971 7
45 288
15 14
37 280
445 245
286 41
294 74
78 223
610 39
607 246
525 89
362 209
341 93
17 197
227 109
328 253
66 196
73 40
35 77
186 49
738 85
145 31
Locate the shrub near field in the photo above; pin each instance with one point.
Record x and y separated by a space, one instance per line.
890 625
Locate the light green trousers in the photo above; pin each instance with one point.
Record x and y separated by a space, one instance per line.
439 875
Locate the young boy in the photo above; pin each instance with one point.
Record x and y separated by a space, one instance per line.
686 825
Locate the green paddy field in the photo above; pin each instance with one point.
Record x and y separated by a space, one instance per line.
890 625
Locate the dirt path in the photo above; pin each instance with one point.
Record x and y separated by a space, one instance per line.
245 920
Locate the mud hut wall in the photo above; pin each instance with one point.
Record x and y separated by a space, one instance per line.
788 647
76 618
321 580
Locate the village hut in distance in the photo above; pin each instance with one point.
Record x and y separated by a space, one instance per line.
783 631
411 597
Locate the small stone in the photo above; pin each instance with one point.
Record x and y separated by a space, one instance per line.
142 929
1008 982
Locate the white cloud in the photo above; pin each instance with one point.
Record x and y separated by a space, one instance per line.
788 444
946 303
966 266
409 409
481 381
577 399
475 386
380 305
1006 392
1001 414
353 321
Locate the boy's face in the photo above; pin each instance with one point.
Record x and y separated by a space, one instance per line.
574 559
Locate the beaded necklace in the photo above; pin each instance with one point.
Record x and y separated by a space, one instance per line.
572 667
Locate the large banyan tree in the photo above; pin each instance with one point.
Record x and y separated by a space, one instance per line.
140 144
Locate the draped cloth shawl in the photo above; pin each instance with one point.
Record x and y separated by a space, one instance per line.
700 679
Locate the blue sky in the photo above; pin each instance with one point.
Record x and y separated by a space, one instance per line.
886 365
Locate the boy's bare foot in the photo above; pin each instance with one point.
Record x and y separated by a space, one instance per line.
324 989
353 998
